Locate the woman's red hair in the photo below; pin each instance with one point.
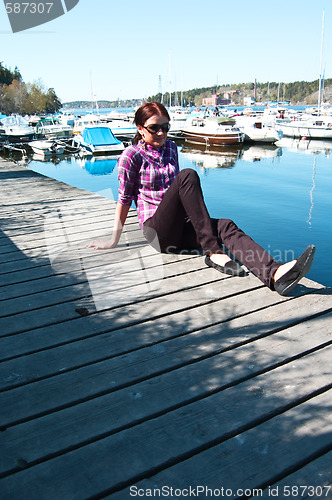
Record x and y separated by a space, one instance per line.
144 112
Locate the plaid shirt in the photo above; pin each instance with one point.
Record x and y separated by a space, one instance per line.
145 174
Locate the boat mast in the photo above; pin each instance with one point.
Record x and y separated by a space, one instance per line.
93 95
170 80
321 63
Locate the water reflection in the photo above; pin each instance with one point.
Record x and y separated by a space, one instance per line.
50 159
212 157
312 147
227 156
312 193
101 165
258 152
307 146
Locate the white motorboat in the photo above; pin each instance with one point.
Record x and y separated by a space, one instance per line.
66 118
255 129
319 127
15 128
47 147
52 128
119 124
89 120
212 131
98 141
121 127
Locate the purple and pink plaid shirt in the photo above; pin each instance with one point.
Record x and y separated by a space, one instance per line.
145 174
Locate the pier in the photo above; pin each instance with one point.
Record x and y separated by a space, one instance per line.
126 372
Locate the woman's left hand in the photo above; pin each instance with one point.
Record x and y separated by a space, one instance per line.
101 244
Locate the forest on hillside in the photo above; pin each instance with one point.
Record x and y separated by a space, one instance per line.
16 96
299 92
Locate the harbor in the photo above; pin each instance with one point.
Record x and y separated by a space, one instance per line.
130 373
127 372
289 180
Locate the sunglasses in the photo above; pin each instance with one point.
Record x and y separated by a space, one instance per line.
154 129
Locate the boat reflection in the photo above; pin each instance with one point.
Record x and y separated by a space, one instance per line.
98 165
51 159
307 146
309 221
226 157
260 152
212 156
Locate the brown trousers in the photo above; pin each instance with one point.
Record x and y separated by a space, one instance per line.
182 222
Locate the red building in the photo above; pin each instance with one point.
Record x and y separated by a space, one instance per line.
217 100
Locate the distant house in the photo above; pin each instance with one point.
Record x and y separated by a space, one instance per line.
215 100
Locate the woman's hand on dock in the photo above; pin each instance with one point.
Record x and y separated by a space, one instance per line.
101 244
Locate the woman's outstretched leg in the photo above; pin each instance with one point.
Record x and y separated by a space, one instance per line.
247 251
279 277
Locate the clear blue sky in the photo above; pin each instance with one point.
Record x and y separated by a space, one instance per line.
125 45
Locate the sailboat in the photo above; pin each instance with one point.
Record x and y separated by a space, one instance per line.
309 127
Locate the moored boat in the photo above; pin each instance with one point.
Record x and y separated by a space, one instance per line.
256 130
14 129
212 131
52 128
119 124
319 127
89 120
98 141
47 147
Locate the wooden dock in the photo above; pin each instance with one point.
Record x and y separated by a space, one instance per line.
126 373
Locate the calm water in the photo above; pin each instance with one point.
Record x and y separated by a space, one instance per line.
281 196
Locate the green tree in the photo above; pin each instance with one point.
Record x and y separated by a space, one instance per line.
53 104
6 76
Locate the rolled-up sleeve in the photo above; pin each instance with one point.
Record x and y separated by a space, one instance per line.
128 175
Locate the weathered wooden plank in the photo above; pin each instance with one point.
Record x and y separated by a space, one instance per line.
16 261
113 374
71 262
255 457
314 480
181 298
125 333
64 358
111 278
264 394
29 219
55 246
103 466
58 223
48 241
36 285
